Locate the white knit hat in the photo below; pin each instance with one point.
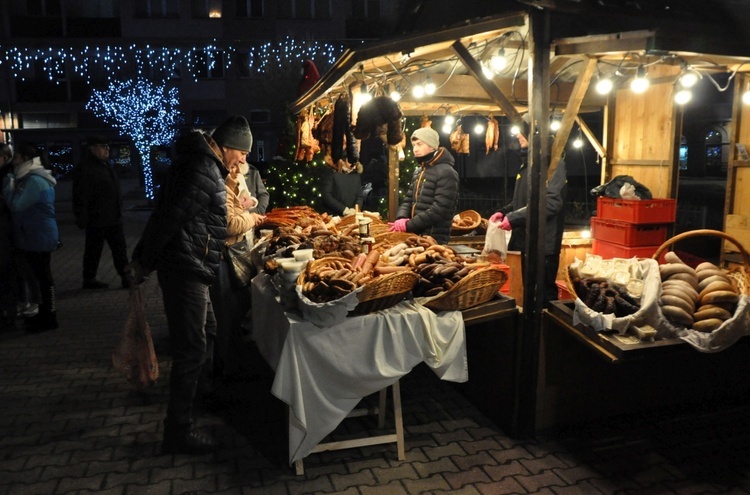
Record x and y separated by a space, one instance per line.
428 136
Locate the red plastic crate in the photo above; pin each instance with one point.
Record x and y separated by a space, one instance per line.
628 234
609 250
637 210
563 294
505 289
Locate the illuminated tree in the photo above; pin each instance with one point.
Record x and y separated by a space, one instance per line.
142 110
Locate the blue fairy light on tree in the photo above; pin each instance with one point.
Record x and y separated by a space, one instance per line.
144 111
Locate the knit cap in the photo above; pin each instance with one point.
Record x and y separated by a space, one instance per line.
234 133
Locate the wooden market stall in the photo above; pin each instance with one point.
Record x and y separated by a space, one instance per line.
554 47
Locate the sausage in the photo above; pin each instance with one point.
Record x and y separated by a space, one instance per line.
386 269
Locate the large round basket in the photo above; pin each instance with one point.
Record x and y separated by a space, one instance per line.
478 287
476 220
385 291
740 275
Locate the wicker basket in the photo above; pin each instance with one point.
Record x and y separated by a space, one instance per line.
352 219
740 275
392 237
477 287
327 261
385 291
476 221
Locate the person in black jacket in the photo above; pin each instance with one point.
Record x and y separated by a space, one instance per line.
97 206
513 217
183 241
431 200
341 189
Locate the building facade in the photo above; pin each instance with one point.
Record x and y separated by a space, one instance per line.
223 56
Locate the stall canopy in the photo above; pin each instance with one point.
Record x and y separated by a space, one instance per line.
464 64
557 51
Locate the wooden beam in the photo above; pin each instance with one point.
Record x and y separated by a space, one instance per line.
475 68
571 112
591 137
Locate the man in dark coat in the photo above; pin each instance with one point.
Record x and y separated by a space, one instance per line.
183 241
513 217
431 200
341 189
97 205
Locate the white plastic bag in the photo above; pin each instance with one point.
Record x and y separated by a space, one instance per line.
495 244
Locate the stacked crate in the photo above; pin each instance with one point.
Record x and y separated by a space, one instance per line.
627 228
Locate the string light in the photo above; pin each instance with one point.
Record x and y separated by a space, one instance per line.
112 62
146 112
639 84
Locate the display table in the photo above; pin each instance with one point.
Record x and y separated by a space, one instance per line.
323 373
586 375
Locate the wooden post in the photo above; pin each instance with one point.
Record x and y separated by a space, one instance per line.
393 200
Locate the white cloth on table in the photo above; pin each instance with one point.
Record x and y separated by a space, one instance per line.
323 373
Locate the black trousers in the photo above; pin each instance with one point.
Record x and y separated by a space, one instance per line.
40 264
192 329
92 254
231 304
551 264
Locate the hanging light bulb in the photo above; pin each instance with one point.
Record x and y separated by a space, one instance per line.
578 143
417 91
604 85
479 128
683 96
395 93
447 128
364 94
746 97
639 84
555 124
429 86
449 119
689 78
498 62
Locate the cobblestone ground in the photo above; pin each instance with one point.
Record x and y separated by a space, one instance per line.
70 424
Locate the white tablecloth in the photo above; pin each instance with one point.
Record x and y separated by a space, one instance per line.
323 373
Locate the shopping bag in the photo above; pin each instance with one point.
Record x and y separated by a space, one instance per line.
495 244
134 356
241 263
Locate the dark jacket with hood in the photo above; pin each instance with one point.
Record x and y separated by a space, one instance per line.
431 200
186 231
97 197
517 210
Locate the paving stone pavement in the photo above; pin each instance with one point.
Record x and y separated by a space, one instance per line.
70 424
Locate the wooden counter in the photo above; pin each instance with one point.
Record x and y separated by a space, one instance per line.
585 376
491 342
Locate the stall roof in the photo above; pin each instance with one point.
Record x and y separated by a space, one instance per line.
455 58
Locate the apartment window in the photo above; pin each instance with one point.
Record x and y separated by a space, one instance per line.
366 9
44 120
250 8
207 9
156 8
44 8
304 9
209 64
